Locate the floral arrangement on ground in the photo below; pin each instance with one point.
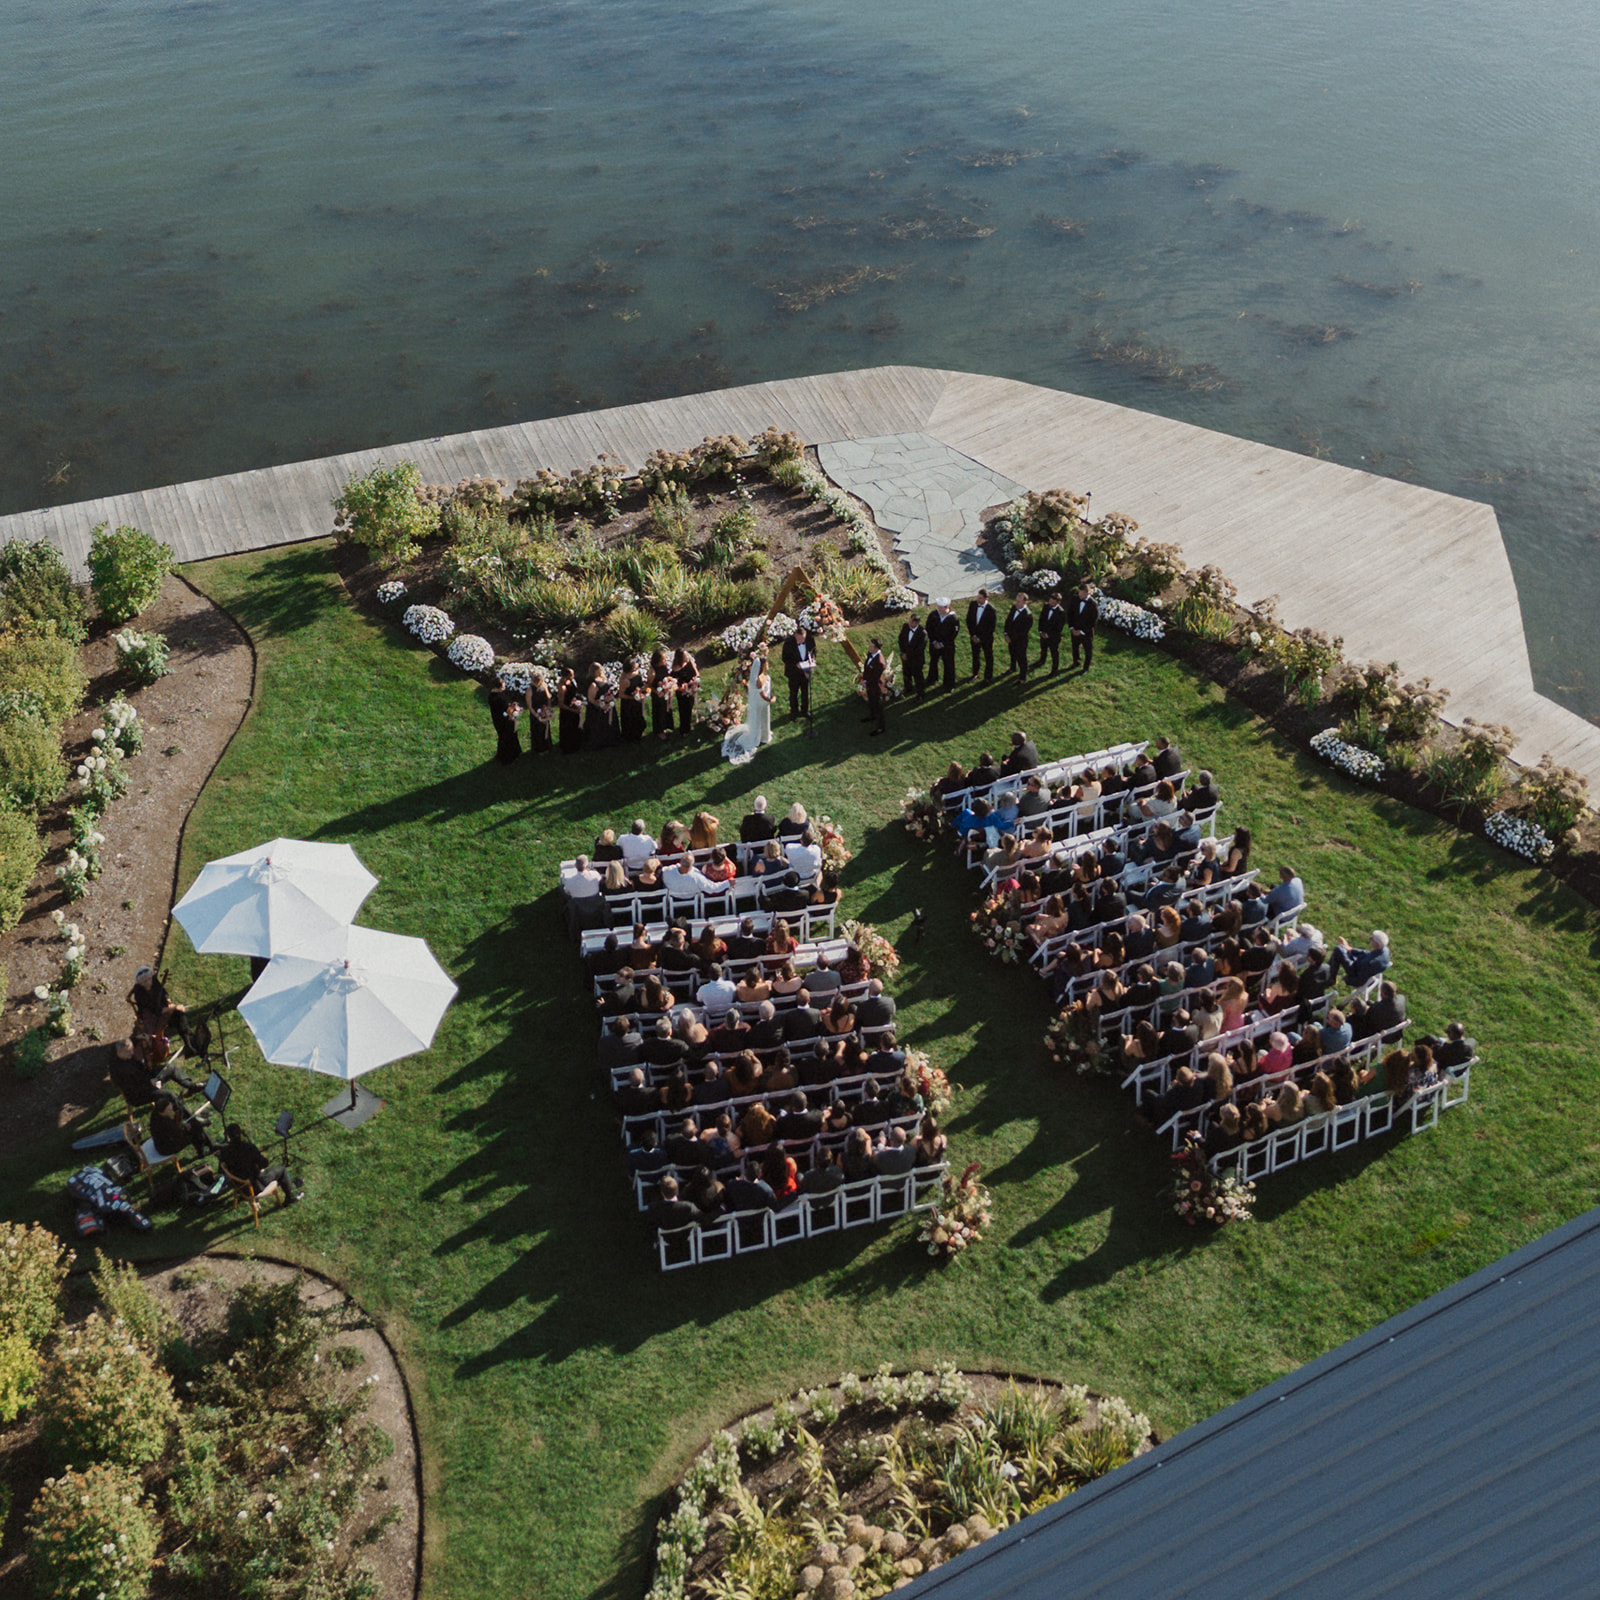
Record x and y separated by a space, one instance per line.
1002 937
1200 1195
881 958
922 814
853 1490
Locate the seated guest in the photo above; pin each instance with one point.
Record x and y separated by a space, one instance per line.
654 995
747 1194
1143 991
636 1098
1225 1133
1202 794
154 1010
131 1072
887 1060
798 1120
647 1156
1297 944
1187 1093
757 1125
1219 1078
871 1109
1314 981
1162 803
795 823
703 1190
1278 1056
615 881
668 1209
720 1141
1289 1106
805 856
1253 1123
1259 955
931 1144
727 1033
840 1017
1387 1011
771 863
953 780
786 982
1288 894
703 831
1346 1085
1005 813
1320 1098
1140 940
720 870
781 1075
746 943
578 884
1143 1044
1361 966
766 1032
779 1173
1196 923
780 949
604 962
1252 904
606 847
785 895
685 882
972 828
1022 756
1282 990
1035 799
1169 928
648 877
640 953
240 1159
1179 1037
1245 1063
858 1161
1308 1047
713 1088
636 845
759 825
822 979
753 987
896 1157
1335 1033
1235 1000
825 1175
707 948
905 1098
674 954
837 1119
1206 1012
985 775
1186 838
1198 968
802 1020
1455 1049
717 993
677 1093
661 1049
621 1045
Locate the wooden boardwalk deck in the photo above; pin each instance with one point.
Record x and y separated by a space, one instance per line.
1402 573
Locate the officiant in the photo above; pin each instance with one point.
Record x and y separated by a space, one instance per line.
799 662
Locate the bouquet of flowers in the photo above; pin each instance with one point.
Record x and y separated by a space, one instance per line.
922 814
831 841
881 958
1199 1195
1003 939
823 618
1349 758
960 1217
933 1084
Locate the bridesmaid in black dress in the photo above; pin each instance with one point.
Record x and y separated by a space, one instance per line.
635 690
600 722
569 698
503 709
662 685
541 708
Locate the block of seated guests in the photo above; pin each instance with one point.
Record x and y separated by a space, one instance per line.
669 1209
759 824
1385 1012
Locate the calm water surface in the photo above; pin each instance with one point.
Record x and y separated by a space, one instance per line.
241 234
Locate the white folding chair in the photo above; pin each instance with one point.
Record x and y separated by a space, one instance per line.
751 1230
676 1246
1380 1114
787 1225
858 1203
1347 1125
1457 1086
1285 1144
1314 1135
1255 1159
823 1213
1425 1108
927 1186
716 1240
894 1196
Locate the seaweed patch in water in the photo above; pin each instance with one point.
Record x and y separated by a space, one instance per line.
986 160
805 295
599 284
1057 227
1307 335
1205 174
1379 291
1157 363
932 223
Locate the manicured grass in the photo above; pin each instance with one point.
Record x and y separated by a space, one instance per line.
483 1217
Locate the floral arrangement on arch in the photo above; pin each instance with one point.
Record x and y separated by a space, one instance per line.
830 839
1004 939
1129 618
922 814
1520 836
1348 758
958 1221
739 638
880 957
427 623
823 618
1199 1195
933 1083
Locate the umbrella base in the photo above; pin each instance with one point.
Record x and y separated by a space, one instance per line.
351 1110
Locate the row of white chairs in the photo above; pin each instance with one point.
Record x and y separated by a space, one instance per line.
807 925
1328 1131
1125 834
1074 819
1050 772
852 1205
806 957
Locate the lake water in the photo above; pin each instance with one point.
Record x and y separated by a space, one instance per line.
239 235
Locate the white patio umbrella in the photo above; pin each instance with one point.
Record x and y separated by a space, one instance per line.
347 1002
273 897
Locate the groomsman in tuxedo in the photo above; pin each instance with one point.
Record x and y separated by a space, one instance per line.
872 671
982 620
943 626
1019 625
913 653
799 661
1052 624
1082 614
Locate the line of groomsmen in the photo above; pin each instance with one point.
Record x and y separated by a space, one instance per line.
928 647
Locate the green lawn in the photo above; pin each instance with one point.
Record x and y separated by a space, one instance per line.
483 1216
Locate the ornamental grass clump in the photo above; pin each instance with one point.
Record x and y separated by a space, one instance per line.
91 1536
126 570
102 1398
1471 772
1554 798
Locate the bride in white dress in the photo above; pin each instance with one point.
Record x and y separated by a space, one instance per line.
746 737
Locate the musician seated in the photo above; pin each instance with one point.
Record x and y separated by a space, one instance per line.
243 1162
132 1073
173 1130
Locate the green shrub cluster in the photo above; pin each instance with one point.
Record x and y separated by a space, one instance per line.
37 594
126 570
33 1266
92 1536
384 510
102 1398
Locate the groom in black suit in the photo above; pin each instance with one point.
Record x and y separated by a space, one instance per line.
982 620
799 661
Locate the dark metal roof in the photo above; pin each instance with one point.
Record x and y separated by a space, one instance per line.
1454 1451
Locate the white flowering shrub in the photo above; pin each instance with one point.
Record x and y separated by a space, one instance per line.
1519 836
900 598
428 623
471 652
1130 618
1043 581
101 778
390 591
1348 758
143 654
518 675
